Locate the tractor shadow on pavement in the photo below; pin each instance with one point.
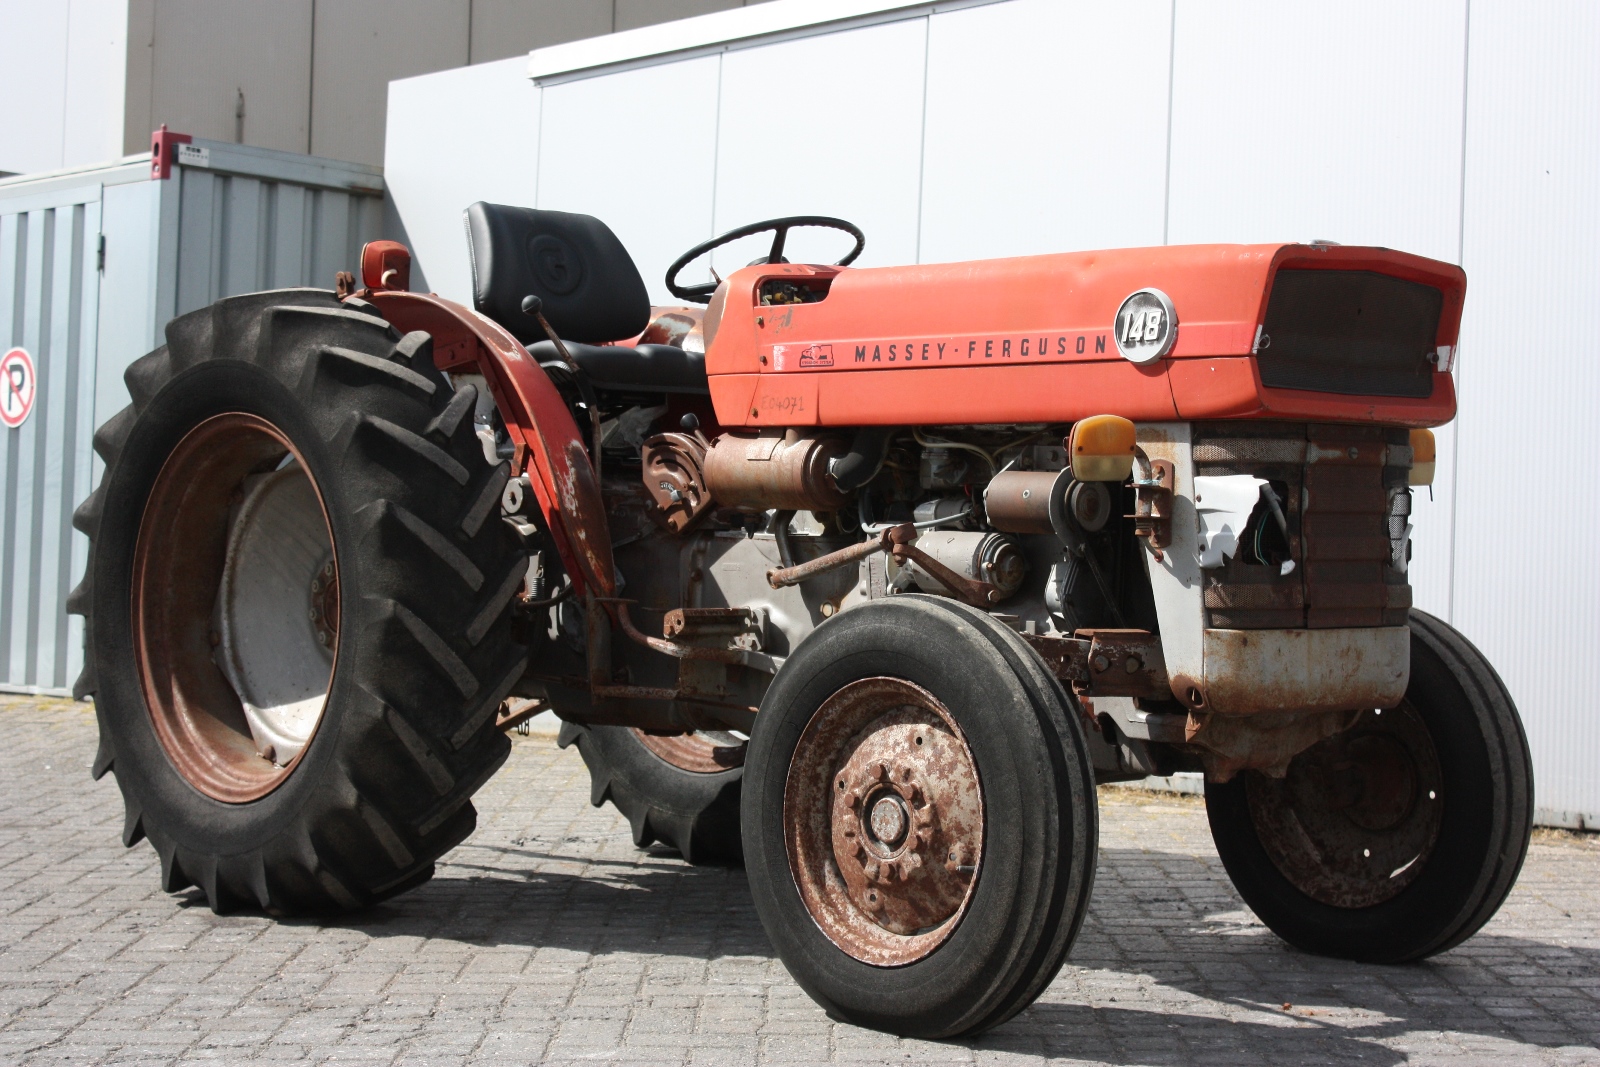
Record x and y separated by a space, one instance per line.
1145 939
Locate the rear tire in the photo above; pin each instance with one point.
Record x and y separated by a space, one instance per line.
424 570
682 790
1399 838
919 819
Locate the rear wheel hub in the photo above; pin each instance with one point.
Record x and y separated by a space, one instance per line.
235 607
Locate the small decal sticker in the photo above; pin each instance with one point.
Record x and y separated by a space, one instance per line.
1146 326
817 356
193 155
17 387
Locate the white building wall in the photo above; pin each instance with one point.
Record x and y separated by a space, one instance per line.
1459 129
61 79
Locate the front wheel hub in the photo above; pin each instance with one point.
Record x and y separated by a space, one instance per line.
885 815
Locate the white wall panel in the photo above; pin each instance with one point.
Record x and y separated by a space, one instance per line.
454 138
1046 128
33 69
637 150
1335 121
1528 586
828 125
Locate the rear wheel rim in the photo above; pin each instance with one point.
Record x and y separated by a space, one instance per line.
235 607
701 752
884 821
1354 820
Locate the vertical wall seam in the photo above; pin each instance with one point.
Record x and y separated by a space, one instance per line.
716 144
1172 77
66 78
922 146
311 81
1461 258
538 152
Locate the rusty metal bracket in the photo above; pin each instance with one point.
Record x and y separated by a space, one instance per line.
619 610
969 590
779 577
1152 512
1106 663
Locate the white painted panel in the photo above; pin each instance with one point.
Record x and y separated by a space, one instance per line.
97 60
33 71
827 125
1047 128
637 150
453 138
1336 121
1528 584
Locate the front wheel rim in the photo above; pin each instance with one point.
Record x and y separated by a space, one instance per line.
884 821
1355 819
235 607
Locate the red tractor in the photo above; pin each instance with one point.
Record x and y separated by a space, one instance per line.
864 577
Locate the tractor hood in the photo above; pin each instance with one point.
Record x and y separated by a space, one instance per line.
1316 331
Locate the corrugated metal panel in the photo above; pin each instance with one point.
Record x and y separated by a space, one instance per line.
249 219
49 296
1527 585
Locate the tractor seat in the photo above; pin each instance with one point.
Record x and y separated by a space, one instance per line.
591 290
643 369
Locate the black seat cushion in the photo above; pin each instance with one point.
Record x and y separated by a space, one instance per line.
574 263
644 369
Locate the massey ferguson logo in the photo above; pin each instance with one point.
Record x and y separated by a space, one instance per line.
1146 326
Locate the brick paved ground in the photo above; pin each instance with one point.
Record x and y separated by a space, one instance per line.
547 937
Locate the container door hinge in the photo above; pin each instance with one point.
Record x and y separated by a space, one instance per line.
100 254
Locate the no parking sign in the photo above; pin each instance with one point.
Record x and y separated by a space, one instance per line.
16 387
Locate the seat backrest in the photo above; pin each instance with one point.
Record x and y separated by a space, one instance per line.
591 290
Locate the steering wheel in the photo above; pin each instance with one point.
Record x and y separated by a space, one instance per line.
701 294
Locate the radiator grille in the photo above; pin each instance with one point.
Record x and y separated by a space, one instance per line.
1350 331
1335 482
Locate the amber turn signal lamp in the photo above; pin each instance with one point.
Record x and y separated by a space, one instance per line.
1423 452
1101 448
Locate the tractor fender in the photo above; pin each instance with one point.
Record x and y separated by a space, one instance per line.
549 448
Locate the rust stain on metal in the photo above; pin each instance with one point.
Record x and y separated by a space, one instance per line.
1019 501
763 471
1106 662
674 476
178 559
1353 819
1228 744
968 590
694 752
784 576
670 326
1249 672
883 810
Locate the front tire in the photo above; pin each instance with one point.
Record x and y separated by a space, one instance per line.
296 605
919 819
1400 837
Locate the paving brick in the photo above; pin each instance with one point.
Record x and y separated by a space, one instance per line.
546 937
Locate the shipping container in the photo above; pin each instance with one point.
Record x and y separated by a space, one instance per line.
93 263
